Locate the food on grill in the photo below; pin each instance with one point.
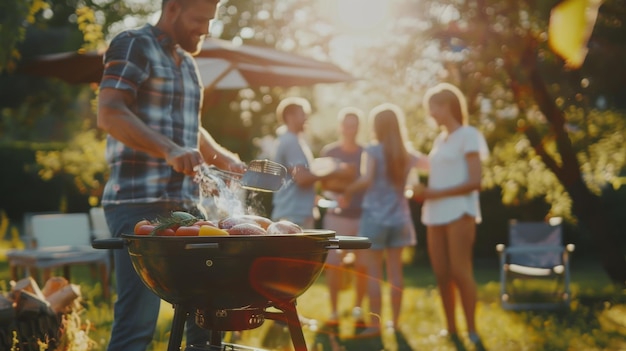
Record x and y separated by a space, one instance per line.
208 230
143 231
246 229
284 227
183 216
164 231
188 230
260 220
229 222
202 222
185 224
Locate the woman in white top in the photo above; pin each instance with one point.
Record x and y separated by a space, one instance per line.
451 205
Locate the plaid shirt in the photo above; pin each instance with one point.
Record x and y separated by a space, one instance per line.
168 100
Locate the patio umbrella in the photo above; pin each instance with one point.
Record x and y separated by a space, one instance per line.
222 65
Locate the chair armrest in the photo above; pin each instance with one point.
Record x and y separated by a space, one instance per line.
533 249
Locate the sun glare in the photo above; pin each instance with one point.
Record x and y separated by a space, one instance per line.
361 15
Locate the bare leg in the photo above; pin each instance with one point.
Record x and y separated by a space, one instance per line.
374 259
438 254
461 235
334 272
396 281
333 279
360 279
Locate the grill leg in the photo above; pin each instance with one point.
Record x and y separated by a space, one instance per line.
178 327
295 328
216 338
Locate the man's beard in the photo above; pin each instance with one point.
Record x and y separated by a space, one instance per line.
187 42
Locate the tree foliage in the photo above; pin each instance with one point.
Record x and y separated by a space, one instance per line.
546 124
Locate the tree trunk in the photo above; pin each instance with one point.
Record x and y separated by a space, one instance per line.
586 206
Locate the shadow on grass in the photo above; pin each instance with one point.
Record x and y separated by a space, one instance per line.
328 339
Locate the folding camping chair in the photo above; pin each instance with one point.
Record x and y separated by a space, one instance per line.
60 240
534 259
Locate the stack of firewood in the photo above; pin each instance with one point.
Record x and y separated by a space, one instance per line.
31 317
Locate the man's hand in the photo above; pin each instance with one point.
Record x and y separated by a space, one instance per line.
184 160
237 166
343 176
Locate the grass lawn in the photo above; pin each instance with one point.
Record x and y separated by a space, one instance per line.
596 320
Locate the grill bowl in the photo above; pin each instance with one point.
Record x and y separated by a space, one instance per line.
229 272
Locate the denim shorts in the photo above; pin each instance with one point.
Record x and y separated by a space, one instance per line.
387 236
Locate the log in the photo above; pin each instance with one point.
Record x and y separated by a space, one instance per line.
62 301
27 284
53 285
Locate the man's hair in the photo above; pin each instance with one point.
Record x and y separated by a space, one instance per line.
290 104
347 111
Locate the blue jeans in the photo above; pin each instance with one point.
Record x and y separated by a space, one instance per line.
137 308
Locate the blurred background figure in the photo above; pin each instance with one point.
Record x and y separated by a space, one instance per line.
386 218
451 203
295 201
345 156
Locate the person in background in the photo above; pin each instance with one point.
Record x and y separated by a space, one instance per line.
386 219
346 153
451 206
295 201
149 104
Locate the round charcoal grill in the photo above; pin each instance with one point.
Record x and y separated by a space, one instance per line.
230 281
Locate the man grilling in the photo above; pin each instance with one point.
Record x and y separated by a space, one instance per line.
149 104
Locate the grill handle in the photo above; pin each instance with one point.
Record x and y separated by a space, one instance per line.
348 243
202 246
112 243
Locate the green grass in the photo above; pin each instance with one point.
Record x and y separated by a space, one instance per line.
596 320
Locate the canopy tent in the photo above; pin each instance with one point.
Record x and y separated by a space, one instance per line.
222 66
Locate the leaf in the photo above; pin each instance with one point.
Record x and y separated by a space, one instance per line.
571 24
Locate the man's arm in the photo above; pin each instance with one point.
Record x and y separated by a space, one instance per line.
217 155
303 176
116 118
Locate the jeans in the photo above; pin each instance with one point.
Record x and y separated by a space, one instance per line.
136 310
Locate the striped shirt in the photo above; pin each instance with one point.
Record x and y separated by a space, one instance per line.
167 99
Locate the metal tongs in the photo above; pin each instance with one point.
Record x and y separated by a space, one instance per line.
260 175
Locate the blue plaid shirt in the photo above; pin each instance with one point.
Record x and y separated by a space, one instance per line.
167 99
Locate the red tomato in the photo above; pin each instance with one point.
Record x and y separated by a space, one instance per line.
166 232
145 229
139 224
184 230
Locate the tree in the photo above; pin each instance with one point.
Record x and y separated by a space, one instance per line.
497 52
54 119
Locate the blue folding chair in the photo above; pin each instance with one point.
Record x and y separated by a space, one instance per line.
535 260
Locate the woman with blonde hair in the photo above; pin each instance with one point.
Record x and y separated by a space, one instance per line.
451 203
386 218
